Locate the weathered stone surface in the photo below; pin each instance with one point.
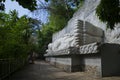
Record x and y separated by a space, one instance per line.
60 60
85 49
113 36
67 51
93 70
91 39
93 64
89 48
93 30
69 63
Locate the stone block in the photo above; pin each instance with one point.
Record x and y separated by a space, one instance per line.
93 71
93 30
91 39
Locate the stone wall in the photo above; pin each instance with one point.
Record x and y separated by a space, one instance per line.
88 63
92 33
60 60
62 63
66 63
92 65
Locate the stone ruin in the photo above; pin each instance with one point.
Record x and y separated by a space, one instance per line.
85 45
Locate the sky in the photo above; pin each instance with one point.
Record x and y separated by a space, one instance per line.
11 5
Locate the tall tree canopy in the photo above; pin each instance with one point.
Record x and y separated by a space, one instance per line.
15 35
109 11
29 4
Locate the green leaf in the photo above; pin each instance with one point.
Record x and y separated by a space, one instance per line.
46 0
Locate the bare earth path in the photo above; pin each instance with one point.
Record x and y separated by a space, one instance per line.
44 71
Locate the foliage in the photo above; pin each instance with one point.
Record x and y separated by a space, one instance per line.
29 4
72 3
109 11
44 38
15 35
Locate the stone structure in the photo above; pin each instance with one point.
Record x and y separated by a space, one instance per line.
81 45
66 51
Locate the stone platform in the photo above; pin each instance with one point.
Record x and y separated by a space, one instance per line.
65 59
71 59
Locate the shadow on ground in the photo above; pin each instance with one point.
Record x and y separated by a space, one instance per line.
42 70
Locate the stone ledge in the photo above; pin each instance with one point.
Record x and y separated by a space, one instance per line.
68 51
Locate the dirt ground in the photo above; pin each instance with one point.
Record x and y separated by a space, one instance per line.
44 71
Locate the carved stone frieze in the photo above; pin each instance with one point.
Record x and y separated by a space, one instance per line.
85 49
89 48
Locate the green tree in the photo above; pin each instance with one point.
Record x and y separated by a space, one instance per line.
15 35
29 4
109 11
44 38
